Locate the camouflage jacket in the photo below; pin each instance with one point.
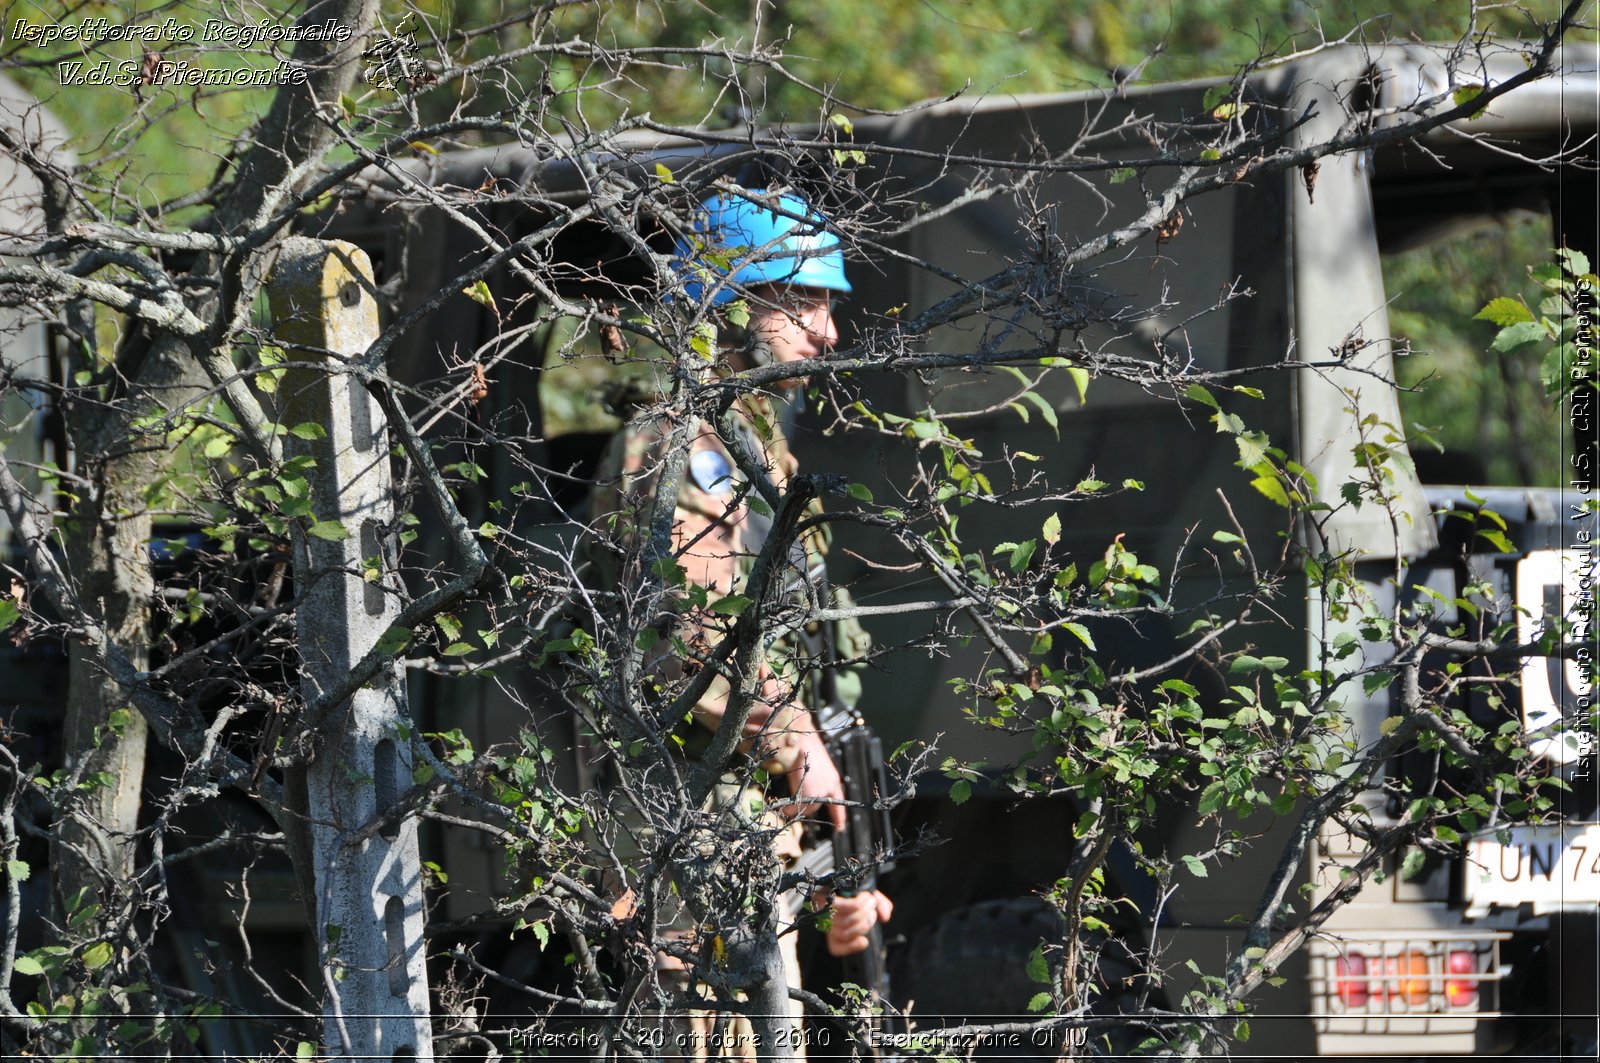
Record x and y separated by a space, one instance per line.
717 533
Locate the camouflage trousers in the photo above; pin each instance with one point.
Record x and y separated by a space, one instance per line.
730 862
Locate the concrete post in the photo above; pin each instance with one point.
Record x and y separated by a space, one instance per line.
368 903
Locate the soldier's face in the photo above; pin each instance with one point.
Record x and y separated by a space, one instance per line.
794 324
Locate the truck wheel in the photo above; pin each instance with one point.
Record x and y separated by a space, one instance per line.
970 966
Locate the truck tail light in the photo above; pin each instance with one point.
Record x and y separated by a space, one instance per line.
1412 987
1449 981
1350 979
1462 992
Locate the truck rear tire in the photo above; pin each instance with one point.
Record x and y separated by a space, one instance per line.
970 966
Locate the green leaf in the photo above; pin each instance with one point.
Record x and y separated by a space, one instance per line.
1082 633
1121 174
1211 154
1201 395
305 1050
28 965
1215 95
479 293
703 341
1513 336
1576 262
859 492
1553 370
1047 411
1252 448
732 605
97 955
960 791
331 530
1412 864
458 649
1038 968
1271 487
1247 663
18 869
449 625
1040 1002
394 640
1465 95
1497 540
1022 553
664 174
218 446
1196 868
9 613
1503 311
1080 380
309 430
843 122
1052 529
1548 277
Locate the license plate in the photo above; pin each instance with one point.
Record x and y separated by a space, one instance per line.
1552 868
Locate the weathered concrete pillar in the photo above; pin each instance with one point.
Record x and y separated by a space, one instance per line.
368 883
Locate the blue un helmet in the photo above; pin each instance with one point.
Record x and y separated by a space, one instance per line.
767 244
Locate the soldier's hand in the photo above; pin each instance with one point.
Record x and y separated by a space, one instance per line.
775 723
816 783
774 709
854 918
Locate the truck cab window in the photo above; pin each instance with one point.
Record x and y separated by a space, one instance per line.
1488 411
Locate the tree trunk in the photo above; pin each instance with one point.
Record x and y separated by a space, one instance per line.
107 538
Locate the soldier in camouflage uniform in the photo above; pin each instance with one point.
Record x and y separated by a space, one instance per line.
787 273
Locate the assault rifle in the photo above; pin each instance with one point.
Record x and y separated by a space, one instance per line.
860 851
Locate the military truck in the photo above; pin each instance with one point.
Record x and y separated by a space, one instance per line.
1474 954
1493 935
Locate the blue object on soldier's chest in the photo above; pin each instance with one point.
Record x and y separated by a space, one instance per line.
711 471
